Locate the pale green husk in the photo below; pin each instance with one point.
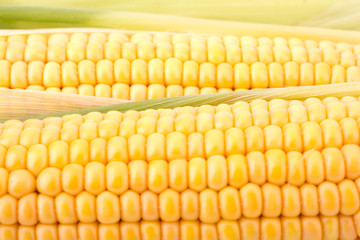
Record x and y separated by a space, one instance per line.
24 17
344 14
261 11
288 93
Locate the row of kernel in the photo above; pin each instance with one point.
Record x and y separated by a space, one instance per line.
339 227
102 143
173 72
169 139
177 38
216 172
295 135
269 200
215 53
213 49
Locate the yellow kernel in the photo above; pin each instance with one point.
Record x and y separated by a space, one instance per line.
197 174
276 166
209 212
122 71
216 172
296 168
98 150
270 228
85 207
72 178
15 158
129 51
52 77
130 206
104 72
79 152
169 202
117 177
178 174
254 137
58 154
86 73
251 200
329 199
46 209
112 50
130 230
107 208
8 212
94 178
315 169
49 181
138 175
176 145
229 202
18 76
94 51
250 228
149 206
311 228
157 176
259 75
349 197
65 208
291 201
256 167
271 200
27 214
75 51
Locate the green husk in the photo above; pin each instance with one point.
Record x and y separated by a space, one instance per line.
24 17
342 15
288 93
260 11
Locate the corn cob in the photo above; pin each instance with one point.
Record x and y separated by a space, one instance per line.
319 227
266 168
139 66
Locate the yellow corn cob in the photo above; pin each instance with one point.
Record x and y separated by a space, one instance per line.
319 227
140 66
276 169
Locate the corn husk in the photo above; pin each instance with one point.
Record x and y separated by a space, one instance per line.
260 11
342 15
24 103
288 93
148 23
